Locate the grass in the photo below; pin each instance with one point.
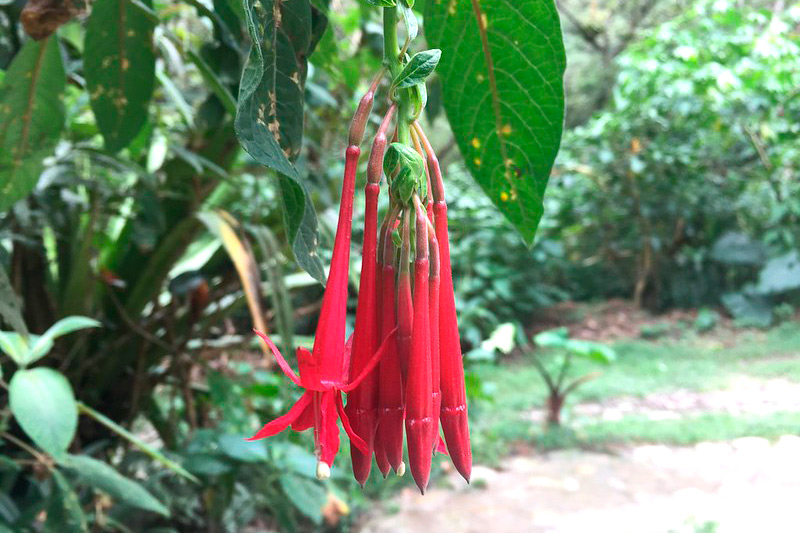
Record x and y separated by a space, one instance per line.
508 391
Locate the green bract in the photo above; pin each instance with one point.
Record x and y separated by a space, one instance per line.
409 168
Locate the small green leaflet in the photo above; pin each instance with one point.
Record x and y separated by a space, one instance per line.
508 123
119 65
269 118
418 68
410 20
31 117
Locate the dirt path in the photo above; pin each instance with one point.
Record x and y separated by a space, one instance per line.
743 486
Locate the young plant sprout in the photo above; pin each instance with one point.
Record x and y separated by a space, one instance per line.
402 367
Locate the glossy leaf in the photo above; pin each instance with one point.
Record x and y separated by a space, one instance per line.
381 3
269 119
119 65
103 477
502 78
43 403
420 66
31 117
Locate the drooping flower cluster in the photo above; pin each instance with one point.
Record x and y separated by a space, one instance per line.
402 367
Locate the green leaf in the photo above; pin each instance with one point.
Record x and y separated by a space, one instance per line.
418 68
780 274
31 117
64 512
269 119
10 305
136 441
239 449
103 477
410 20
119 65
306 495
381 3
15 345
594 351
43 403
44 343
553 338
503 92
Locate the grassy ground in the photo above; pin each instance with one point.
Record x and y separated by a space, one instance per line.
695 363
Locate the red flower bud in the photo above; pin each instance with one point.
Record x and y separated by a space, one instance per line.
419 388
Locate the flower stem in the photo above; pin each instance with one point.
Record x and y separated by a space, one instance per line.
393 61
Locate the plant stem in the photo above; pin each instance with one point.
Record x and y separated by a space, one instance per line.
393 61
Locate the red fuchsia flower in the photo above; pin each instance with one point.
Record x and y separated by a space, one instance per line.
362 402
324 371
453 413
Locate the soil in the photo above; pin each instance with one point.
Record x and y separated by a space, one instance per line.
742 486
746 485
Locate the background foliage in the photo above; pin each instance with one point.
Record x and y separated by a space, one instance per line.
128 200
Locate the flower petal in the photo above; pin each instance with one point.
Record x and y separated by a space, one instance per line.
309 370
282 422
371 364
328 430
357 441
279 358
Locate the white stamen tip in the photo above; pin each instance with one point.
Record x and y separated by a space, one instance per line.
401 469
323 470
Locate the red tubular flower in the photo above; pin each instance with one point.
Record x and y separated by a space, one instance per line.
434 284
389 436
362 403
324 372
455 423
419 390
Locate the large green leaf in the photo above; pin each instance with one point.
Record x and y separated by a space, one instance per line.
101 476
119 65
44 405
31 117
269 119
502 73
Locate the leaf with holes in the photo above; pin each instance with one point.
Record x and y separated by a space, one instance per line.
508 124
31 117
119 65
269 119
